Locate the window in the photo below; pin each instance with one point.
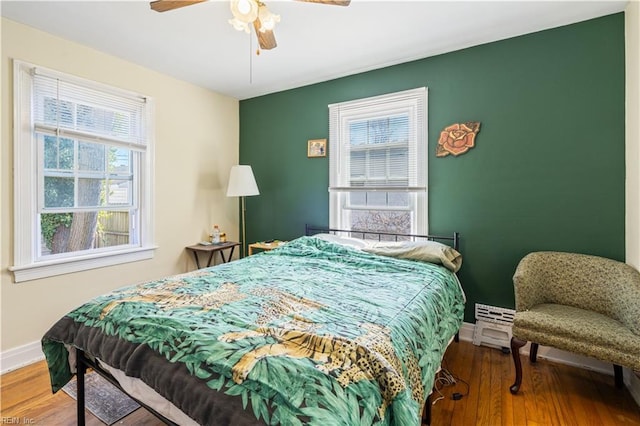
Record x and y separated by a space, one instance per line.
83 174
378 163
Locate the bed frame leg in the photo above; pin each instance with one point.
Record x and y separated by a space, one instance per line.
81 369
426 412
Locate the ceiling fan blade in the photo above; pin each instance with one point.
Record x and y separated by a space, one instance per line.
334 2
267 39
166 5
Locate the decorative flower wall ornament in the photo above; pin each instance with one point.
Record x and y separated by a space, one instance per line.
457 138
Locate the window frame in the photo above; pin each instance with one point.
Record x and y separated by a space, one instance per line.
28 263
414 103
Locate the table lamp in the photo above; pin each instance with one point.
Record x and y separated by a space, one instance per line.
242 184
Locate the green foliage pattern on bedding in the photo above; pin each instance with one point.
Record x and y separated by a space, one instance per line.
309 333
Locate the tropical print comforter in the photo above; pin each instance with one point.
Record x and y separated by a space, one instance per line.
309 333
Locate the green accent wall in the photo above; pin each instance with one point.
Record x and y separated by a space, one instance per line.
547 172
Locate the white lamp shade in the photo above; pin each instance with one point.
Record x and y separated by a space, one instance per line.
241 182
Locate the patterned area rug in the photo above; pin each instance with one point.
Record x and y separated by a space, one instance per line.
104 400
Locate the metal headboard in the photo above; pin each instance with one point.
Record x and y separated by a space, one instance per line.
454 240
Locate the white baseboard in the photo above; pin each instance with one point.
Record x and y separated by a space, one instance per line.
556 355
19 357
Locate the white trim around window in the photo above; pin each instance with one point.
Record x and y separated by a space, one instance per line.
378 163
29 263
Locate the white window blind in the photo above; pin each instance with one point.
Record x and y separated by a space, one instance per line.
376 143
66 109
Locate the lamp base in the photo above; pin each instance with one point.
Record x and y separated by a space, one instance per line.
244 228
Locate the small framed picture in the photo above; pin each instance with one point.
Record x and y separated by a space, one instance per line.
316 148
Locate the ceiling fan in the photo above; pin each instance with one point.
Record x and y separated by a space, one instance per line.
246 13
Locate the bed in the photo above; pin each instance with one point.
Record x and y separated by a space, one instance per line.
326 329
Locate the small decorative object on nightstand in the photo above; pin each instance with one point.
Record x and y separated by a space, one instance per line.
210 248
215 235
265 245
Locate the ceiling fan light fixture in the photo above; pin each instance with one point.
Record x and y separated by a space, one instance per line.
244 10
246 13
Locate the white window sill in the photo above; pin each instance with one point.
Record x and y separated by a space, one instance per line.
65 266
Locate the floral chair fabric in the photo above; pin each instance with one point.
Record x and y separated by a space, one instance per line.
584 304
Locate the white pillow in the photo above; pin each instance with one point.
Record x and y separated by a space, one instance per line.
345 241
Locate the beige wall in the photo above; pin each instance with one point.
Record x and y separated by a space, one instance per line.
197 136
632 39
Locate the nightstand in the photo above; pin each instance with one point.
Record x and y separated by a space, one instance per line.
265 246
212 249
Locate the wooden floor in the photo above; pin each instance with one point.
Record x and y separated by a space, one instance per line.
551 394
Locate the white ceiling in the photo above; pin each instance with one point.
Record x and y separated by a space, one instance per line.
315 42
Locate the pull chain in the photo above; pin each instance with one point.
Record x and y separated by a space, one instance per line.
251 58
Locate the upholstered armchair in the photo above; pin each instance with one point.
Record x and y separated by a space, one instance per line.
584 304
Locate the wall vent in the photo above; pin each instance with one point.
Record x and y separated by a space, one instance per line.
493 326
494 314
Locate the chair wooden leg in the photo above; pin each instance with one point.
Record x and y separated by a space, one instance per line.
516 344
617 374
533 352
